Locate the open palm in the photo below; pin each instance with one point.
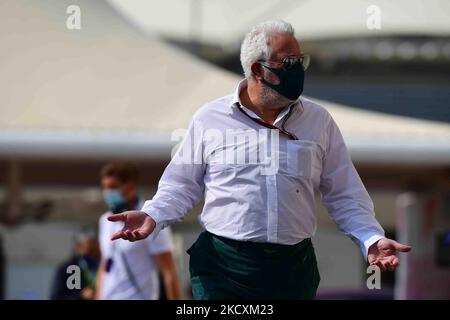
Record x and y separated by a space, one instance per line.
137 225
383 253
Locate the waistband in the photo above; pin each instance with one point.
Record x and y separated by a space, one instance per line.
260 247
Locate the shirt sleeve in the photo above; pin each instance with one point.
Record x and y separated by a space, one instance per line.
162 243
181 186
344 195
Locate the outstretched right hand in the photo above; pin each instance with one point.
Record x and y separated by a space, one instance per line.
137 225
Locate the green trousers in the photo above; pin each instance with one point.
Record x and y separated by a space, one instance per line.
222 268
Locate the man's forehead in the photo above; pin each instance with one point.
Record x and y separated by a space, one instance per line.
285 45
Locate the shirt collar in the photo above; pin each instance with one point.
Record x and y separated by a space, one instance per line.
237 100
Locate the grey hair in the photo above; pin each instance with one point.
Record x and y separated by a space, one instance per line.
256 44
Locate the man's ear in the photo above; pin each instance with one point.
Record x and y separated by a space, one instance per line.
257 71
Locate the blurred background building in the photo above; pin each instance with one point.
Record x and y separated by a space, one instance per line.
135 71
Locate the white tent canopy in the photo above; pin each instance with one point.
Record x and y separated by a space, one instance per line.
107 91
104 76
225 23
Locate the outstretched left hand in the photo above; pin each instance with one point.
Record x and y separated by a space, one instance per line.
383 254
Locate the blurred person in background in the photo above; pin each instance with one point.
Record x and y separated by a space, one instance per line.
259 220
130 271
86 256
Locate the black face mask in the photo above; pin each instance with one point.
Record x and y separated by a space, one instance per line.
291 81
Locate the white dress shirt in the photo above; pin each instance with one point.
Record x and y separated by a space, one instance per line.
258 185
133 274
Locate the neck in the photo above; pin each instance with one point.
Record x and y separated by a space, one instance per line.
251 99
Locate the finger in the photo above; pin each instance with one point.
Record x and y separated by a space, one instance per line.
390 266
395 262
385 265
117 235
401 247
137 235
388 262
382 265
130 235
378 264
117 217
392 263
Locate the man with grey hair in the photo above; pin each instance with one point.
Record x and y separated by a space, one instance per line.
259 213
